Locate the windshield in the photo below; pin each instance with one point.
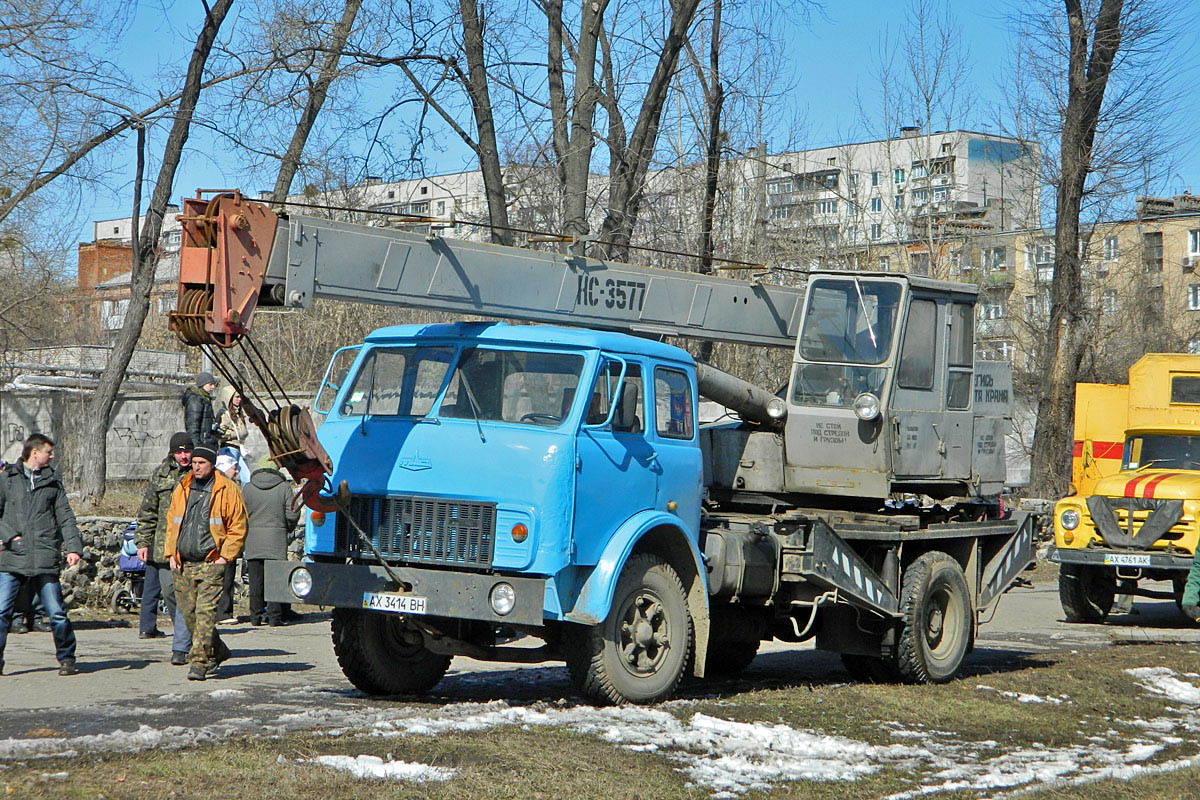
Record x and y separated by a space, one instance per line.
849 321
1162 451
835 384
398 381
530 388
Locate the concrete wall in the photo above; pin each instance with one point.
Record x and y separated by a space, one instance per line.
139 429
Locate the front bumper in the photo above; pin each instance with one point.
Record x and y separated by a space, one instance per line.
456 595
1106 557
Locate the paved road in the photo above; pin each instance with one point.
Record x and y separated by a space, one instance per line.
287 678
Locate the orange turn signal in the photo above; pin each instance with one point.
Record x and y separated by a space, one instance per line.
1068 537
520 532
317 518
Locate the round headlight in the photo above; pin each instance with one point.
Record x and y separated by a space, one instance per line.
1069 519
503 597
301 582
866 406
776 408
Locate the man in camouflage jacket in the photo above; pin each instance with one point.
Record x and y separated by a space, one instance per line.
151 533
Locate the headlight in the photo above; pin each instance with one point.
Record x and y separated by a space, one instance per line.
776 408
866 406
301 582
503 597
1069 519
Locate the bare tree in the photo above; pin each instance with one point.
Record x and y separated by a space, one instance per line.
1085 49
93 452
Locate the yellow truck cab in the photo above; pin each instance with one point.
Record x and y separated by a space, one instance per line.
1133 516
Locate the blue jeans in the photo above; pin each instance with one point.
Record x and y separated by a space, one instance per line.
160 583
47 588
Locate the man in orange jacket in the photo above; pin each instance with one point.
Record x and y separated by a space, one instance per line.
206 527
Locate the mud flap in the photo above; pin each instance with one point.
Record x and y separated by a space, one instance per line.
833 564
1009 561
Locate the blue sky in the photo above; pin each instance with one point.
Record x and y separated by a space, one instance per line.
830 61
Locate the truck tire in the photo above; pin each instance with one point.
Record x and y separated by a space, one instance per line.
641 650
1086 592
936 620
729 657
870 669
381 657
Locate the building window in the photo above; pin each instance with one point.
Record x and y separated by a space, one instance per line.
441 208
832 160
853 180
1152 251
116 229
875 178
112 314
166 304
885 263
1110 248
920 263
898 202
898 175
919 171
825 207
876 231
994 258
945 147
424 190
391 194
877 204
941 195
991 311
1043 254
1194 242
1108 300
1194 297
920 197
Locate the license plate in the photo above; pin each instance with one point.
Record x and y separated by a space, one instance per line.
1125 560
393 602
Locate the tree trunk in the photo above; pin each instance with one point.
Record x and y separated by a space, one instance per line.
93 450
481 106
715 98
627 177
1087 77
316 99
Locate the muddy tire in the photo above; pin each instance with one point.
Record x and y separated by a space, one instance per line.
936 620
380 656
1086 592
870 669
639 653
729 658
121 601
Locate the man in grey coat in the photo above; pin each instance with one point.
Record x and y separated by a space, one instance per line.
268 498
36 524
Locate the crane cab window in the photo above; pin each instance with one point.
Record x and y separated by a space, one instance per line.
919 351
962 356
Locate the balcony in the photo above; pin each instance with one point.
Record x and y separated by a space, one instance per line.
992 277
993 328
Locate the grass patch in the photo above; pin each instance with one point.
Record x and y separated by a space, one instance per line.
1099 706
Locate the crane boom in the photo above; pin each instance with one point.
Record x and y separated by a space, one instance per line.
241 255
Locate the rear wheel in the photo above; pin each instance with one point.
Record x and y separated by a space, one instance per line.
381 655
936 622
640 651
1086 592
122 600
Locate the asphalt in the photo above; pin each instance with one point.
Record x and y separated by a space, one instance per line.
290 674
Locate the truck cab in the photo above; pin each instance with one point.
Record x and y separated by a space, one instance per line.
1140 522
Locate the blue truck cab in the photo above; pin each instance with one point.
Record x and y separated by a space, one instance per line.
507 478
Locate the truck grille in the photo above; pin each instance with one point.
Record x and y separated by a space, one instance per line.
421 530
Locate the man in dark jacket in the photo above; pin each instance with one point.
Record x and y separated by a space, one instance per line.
198 416
36 524
268 498
151 531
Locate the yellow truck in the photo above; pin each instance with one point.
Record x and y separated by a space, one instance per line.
1134 515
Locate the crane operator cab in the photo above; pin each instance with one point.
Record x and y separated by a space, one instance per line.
885 397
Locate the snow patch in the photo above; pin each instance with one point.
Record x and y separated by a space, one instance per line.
1161 680
376 768
1021 697
226 694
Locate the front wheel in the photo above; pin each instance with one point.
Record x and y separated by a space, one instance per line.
936 621
1086 592
122 600
381 655
640 651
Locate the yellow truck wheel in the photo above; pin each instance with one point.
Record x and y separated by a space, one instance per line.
1086 592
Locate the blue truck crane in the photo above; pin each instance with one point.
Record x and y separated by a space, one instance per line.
477 480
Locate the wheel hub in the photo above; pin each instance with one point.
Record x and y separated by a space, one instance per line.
645 634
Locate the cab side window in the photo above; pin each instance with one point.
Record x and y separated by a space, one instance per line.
919 353
962 356
672 404
628 416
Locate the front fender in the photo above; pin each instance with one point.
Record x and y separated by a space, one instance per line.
595 595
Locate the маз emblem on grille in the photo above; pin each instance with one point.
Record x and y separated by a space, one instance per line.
414 463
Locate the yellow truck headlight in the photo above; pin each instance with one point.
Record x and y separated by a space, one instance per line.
1069 519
